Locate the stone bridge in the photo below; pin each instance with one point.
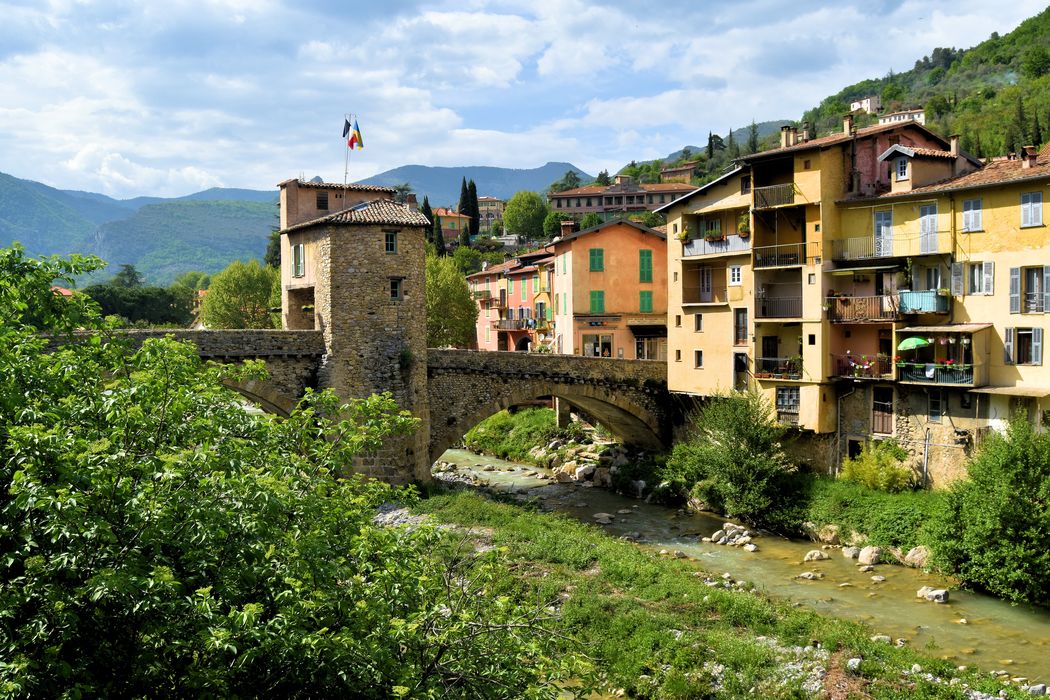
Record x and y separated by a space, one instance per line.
463 387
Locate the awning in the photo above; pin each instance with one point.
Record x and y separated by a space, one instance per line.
648 331
1034 391
870 268
947 328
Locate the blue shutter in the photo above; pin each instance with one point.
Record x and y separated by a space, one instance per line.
1008 346
1037 346
989 277
1046 288
1015 290
957 279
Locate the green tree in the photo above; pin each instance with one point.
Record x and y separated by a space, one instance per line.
451 312
1036 62
193 279
552 223
524 215
993 529
752 137
590 220
439 239
144 306
240 296
160 541
127 277
569 181
651 219
603 178
464 196
497 228
428 212
402 192
474 211
467 260
731 147
272 257
733 459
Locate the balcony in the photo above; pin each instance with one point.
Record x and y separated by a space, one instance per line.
1032 303
862 366
778 368
481 294
510 325
925 302
779 307
936 373
785 255
730 245
897 245
774 196
862 309
713 295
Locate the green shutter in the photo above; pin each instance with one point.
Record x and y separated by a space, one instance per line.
597 302
645 302
597 259
645 266
524 287
510 286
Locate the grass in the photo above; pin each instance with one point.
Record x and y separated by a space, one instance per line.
511 435
655 630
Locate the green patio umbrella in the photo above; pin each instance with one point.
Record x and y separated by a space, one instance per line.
912 343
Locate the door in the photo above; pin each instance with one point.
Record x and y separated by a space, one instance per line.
883 234
705 284
882 410
740 371
768 359
928 229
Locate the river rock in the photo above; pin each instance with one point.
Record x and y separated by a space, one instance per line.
488 468
750 547
602 477
570 466
870 555
851 552
638 488
581 473
809 576
603 518
562 477
878 579
884 638
865 569
917 557
1037 689
938 595
624 511
853 665
718 535
816 555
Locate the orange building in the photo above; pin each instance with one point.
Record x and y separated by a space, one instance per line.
609 292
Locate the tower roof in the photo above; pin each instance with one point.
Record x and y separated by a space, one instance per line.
377 211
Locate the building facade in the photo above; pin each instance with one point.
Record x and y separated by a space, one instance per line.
623 197
491 211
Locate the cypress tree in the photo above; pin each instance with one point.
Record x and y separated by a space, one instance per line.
1037 131
752 137
463 198
1022 125
734 150
426 211
474 209
710 146
439 239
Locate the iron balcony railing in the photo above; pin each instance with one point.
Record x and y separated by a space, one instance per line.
778 307
481 294
873 366
510 325
933 373
1032 303
889 246
859 309
774 196
785 254
924 302
778 367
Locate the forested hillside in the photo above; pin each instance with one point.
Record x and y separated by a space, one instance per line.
996 95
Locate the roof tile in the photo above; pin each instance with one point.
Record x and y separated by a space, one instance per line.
378 211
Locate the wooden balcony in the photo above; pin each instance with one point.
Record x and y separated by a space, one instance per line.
774 196
862 309
517 324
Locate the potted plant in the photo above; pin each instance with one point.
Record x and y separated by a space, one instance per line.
743 226
943 292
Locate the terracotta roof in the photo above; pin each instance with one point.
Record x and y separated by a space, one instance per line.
581 191
649 187
444 211
832 139
997 172
933 153
61 291
688 165
605 224
378 211
334 185
495 269
662 228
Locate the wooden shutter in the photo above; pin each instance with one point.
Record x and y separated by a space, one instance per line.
1015 290
1037 346
989 278
1046 288
1008 346
957 279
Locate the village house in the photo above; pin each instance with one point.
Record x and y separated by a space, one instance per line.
491 212
623 197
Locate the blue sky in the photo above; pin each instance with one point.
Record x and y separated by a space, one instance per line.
167 98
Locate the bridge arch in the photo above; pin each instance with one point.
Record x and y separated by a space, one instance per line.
264 396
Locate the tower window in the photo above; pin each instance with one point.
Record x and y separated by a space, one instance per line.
396 289
322 200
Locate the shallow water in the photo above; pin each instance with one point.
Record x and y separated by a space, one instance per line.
996 635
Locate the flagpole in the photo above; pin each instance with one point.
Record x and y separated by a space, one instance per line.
346 167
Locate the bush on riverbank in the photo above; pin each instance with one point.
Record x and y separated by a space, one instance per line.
994 529
511 435
879 466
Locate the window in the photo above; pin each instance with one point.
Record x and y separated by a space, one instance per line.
935 406
678 320
1023 346
510 286
1029 289
597 302
298 260
565 263
972 215
806 165
396 291
933 278
597 259
698 323
739 326
645 302
524 288
745 184
535 284
788 399
677 355
982 277
645 266
882 410
662 199
902 168
322 200
1032 209
735 276
698 359
391 242
713 228
928 228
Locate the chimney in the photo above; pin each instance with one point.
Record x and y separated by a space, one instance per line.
805 132
410 199
954 141
793 136
784 135
847 124
1028 156
567 227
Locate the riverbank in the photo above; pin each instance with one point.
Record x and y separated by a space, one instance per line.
660 626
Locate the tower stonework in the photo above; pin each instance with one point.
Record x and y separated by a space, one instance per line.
358 276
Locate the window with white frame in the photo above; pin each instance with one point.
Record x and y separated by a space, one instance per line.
902 168
298 260
1023 346
982 277
735 276
1032 209
972 220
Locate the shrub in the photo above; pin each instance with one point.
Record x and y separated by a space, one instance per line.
993 529
511 435
879 466
733 460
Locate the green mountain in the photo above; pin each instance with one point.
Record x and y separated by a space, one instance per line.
996 95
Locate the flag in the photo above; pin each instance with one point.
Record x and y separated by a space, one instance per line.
355 140
346 127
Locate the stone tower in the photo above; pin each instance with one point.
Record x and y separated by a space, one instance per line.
357 274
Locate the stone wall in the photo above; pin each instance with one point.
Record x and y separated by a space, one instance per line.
242 343
629 397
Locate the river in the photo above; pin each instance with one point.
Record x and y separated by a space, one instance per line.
995 635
